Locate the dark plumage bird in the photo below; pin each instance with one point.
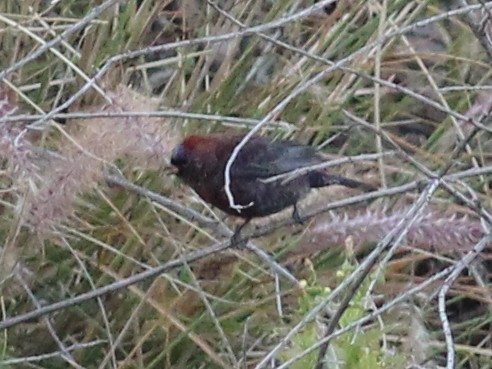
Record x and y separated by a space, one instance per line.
201 160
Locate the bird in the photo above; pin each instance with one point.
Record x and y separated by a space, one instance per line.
200 161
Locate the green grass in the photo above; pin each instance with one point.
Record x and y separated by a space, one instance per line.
221 311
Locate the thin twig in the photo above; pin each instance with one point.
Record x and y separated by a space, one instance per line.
94 13
458 268
199 254
190 257
369 317
174 45
303 87
32 359
193 216
65 354
149 114
289 176
479 31
390 242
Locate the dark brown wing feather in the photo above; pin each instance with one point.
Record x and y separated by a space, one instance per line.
263 158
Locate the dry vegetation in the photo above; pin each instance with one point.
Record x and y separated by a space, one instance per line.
108 261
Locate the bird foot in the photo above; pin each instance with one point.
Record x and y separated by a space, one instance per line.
296 216
236 239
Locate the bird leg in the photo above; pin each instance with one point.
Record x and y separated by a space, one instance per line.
237 232
296 216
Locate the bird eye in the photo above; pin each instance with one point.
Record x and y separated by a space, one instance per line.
179 156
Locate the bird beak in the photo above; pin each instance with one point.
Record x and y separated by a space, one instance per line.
170 170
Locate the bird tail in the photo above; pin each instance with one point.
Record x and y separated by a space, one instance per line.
320 179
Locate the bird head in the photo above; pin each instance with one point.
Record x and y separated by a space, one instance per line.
194 156
183 159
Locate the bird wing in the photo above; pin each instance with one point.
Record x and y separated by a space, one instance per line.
262 158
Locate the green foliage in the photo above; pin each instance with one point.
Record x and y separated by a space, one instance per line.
224 314
360 349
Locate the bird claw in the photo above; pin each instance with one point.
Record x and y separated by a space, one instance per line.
296 216
236 239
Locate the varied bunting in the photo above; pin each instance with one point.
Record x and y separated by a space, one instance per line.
201 160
